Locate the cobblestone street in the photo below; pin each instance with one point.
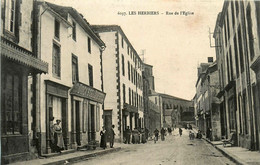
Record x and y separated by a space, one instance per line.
174 150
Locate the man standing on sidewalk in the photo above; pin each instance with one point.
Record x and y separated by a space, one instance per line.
112 137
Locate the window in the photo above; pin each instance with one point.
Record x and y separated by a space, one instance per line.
240 49
123 65
11 103
257 5
74 31
75 74
89 45
122 42
10 15
124 93
133 101
237 7
57 29
233 13
56 60
128 49
132 73
156 100
128 70
236 55
250 32
228 28
129 90
90 74
231 64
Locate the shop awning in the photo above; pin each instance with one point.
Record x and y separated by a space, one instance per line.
20 55
85 91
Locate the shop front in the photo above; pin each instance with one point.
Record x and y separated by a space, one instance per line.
86 115
56 109
17 64
130 117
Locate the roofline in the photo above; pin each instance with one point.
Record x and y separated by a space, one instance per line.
107 28
174 97
87 28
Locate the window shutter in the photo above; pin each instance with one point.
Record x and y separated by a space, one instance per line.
97 118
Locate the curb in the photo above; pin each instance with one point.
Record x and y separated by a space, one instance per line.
227 154
75 159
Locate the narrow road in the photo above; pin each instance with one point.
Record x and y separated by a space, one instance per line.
174 150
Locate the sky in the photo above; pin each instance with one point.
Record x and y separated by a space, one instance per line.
173 44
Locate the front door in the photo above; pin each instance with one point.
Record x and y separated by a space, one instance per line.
108 123
92 132
77 109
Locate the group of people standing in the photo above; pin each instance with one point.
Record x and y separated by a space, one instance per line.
104 134
137 135
56 137
163 133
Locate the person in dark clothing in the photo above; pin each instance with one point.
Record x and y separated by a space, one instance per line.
128 135
156 134
146 133
162 134
103 141
169 130
199 135
180 131
112 136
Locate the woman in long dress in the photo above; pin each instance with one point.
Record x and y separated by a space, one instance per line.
58 138
103 141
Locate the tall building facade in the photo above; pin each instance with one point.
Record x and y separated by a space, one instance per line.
72 90
237 50
207 112
19 64
123 81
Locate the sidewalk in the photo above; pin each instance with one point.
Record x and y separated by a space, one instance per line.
238 155
65 158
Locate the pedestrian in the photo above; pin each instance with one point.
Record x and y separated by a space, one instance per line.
103 141
52 140
58 138
146 133
128 134
112 136
199 135
180 131
162 134
156 134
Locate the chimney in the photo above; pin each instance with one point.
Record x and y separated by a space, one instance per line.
210 59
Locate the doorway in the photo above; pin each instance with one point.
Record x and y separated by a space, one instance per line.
77 109
92 132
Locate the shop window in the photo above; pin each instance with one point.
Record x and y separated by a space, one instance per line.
57 29
11 108
56 60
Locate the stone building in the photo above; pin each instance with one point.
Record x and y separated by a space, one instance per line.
123 81
151 110
181 110
237 50
19 64
72 91
207 104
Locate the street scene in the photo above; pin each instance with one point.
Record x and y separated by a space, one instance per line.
175 149
130 82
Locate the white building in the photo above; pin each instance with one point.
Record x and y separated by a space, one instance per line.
122 81
72 89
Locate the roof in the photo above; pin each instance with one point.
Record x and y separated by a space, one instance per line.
63 11
109 28
172 97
